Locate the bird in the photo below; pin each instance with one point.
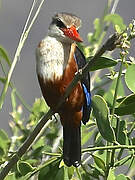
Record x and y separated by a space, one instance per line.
58 59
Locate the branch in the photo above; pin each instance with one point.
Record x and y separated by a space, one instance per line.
109 45
108 147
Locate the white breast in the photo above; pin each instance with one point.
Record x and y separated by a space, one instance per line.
51 58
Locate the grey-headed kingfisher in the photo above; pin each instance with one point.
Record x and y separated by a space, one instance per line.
57 60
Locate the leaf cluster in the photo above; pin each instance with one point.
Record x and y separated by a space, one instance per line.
108 139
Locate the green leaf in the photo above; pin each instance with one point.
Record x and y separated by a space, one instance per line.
40 105
126 100
129 77
118 29
103 62
39 143
122 135
28 175
4 141
108 96
1 153
94 172
87 134
50 161
94 37
111 175
97 28
78 173
99 162
121 177
115 19
4 55
70 172
66 173
10 177
98 140
85 176
32 161
128 178
101 113
50 170
38 152
60 174
3 80
39 109
123 161
126 106
24 167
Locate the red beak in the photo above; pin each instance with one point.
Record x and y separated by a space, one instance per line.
72 33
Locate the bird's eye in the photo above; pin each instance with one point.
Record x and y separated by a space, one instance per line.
59 23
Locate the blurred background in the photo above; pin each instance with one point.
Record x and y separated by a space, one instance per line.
12 18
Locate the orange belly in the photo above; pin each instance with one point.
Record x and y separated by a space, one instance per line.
70 111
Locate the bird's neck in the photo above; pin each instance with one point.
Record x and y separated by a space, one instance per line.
52 58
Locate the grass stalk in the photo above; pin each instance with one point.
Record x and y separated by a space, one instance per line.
22 40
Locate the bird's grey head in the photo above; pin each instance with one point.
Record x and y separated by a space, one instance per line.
64 27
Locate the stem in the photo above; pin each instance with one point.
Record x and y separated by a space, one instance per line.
116 134
78 173
22 40
53 159
117 128
120 154
106 11
115 4
123 161
108 148
52 154
16 92
110 155
117 88
22 100
114 103
131 129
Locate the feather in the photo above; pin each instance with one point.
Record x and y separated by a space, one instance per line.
72 145
85 81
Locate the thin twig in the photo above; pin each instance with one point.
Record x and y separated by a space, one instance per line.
115 4
113 107
28 108
22 40
108 147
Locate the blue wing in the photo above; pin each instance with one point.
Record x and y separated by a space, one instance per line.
85 81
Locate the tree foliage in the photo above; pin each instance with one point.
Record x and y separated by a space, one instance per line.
108 139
